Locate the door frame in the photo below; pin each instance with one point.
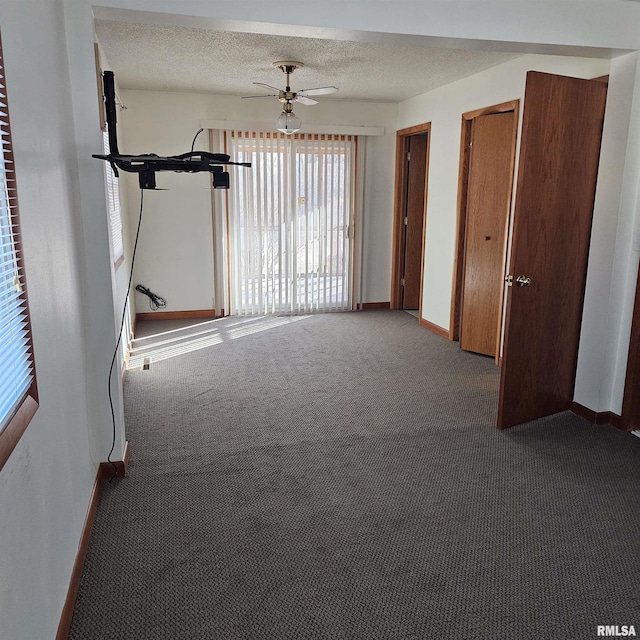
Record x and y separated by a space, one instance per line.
461 216
400 203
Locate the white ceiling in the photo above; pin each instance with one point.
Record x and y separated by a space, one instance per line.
170 58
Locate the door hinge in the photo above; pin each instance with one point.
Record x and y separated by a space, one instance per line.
509 280
408 156
406 220
402 282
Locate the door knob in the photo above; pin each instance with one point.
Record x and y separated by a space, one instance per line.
523 281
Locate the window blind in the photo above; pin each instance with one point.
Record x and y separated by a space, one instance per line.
113 197
17 375
291 222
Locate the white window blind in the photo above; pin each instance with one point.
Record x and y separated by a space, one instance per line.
291 222
113 197
17 375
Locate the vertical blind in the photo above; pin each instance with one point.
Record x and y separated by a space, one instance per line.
17 375
113 200
291 222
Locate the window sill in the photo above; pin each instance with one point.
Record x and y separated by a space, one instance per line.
12 433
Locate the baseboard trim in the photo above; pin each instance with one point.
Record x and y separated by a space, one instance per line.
438 330
177 315
107 468
369 306
598 417
78 566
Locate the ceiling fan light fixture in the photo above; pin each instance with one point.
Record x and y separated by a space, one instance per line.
288 122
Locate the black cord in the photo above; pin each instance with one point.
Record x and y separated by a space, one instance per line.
193 144
155 301
115 352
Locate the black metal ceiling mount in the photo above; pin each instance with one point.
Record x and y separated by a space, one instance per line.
147 165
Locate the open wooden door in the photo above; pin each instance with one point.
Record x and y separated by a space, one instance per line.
559 154
412 168
414 220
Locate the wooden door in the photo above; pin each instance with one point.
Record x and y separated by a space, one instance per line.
414 217
561 133
489 200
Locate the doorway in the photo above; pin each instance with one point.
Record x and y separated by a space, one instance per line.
487 158
412 169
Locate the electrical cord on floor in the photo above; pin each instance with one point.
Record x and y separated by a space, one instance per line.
115 351
155 301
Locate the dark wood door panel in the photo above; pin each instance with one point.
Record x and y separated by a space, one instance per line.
561 134
415 216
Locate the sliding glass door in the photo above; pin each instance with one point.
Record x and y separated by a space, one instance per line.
291 222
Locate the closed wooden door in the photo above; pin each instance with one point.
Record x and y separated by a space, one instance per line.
489 199
414 219
561 133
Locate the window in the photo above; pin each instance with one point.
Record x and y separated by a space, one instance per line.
18 391
111 182
113 199
291 222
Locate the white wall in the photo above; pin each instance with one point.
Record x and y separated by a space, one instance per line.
46 483
610 285
175 251
121 269
94 234
624 273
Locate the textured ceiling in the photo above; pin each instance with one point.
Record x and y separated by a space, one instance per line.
163 58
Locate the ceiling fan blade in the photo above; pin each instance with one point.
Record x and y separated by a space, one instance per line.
319 91
265 95
267 86
304 100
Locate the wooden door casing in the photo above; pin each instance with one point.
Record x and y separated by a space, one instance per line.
561 134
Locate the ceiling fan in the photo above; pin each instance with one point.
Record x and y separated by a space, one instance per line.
288 122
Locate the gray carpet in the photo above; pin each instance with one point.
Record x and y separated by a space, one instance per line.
340 476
